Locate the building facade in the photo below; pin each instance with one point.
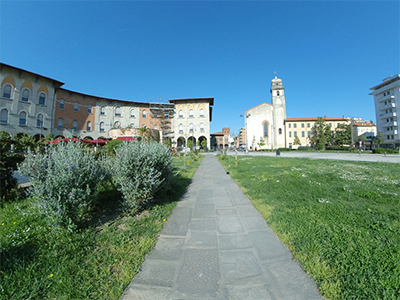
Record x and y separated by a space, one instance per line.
36 105
360 129
299 129
387 101
27 102
221 140
265 123
191 122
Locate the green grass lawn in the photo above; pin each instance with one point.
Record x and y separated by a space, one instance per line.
96 262
340 219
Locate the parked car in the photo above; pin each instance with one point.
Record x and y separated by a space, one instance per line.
241 148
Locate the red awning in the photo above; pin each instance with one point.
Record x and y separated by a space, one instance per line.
126 138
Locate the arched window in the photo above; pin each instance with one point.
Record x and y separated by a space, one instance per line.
75 125
144 126
191 127
76 106
181 113
180 128
101 126
25 95
201 112
191 113
132 113
117 124
7 91
89 126
155 127
202 127
89 109
280 130
4 116
144 113
39 120
60 123
103 110
132 125
265 129
118 111
62 104
42 98
22 118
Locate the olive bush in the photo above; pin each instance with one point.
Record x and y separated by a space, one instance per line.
64 180
139 171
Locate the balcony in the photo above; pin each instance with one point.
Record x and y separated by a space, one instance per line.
387 106
389 124
384 98
388 115
390 132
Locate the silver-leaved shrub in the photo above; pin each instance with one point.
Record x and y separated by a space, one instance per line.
64 181
139 171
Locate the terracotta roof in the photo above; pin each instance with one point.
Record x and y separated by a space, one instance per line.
315 119
363 124
209 99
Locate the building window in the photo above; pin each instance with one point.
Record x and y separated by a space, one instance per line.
39 121
180 128
290 134
62 104
60 123
102 110
144 114
191 127
280 130
89 109
295 125
265 129
155 127
302 125
201 112
290 125
132 113
308 125
4 116
144 126
330 125
201 127
42 99
101 126
191 113
76 106
295 133
309 133
277 93
118 111
181 113
25 95
117 124
22 118
303 134
75 125
89 126
7 91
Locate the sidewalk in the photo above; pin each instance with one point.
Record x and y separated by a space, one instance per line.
215 245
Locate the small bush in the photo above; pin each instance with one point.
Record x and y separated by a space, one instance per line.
64 180
384 150
304 148
140 170
339 148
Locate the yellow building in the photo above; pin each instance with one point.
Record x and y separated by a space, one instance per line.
301 128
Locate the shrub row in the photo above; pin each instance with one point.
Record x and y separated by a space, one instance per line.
384 150
66 177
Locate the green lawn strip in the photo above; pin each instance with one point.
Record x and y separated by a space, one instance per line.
340 219
96 262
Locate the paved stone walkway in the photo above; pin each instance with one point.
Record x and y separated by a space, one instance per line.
215 245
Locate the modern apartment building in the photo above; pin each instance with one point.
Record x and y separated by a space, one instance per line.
387 101
301 128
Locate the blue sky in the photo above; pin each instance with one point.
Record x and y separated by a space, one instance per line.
328 53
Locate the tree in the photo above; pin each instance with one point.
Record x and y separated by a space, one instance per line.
321 134
262 142
378 139
296 141
343 135
203 143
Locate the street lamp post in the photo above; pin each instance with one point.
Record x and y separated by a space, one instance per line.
245 116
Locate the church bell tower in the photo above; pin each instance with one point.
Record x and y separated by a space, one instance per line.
279 113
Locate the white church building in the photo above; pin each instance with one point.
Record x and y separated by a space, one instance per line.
265 123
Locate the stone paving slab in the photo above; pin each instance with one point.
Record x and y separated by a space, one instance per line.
216 246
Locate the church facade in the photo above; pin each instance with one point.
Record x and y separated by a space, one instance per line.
265 123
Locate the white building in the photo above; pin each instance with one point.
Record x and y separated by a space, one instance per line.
387 100
265 123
